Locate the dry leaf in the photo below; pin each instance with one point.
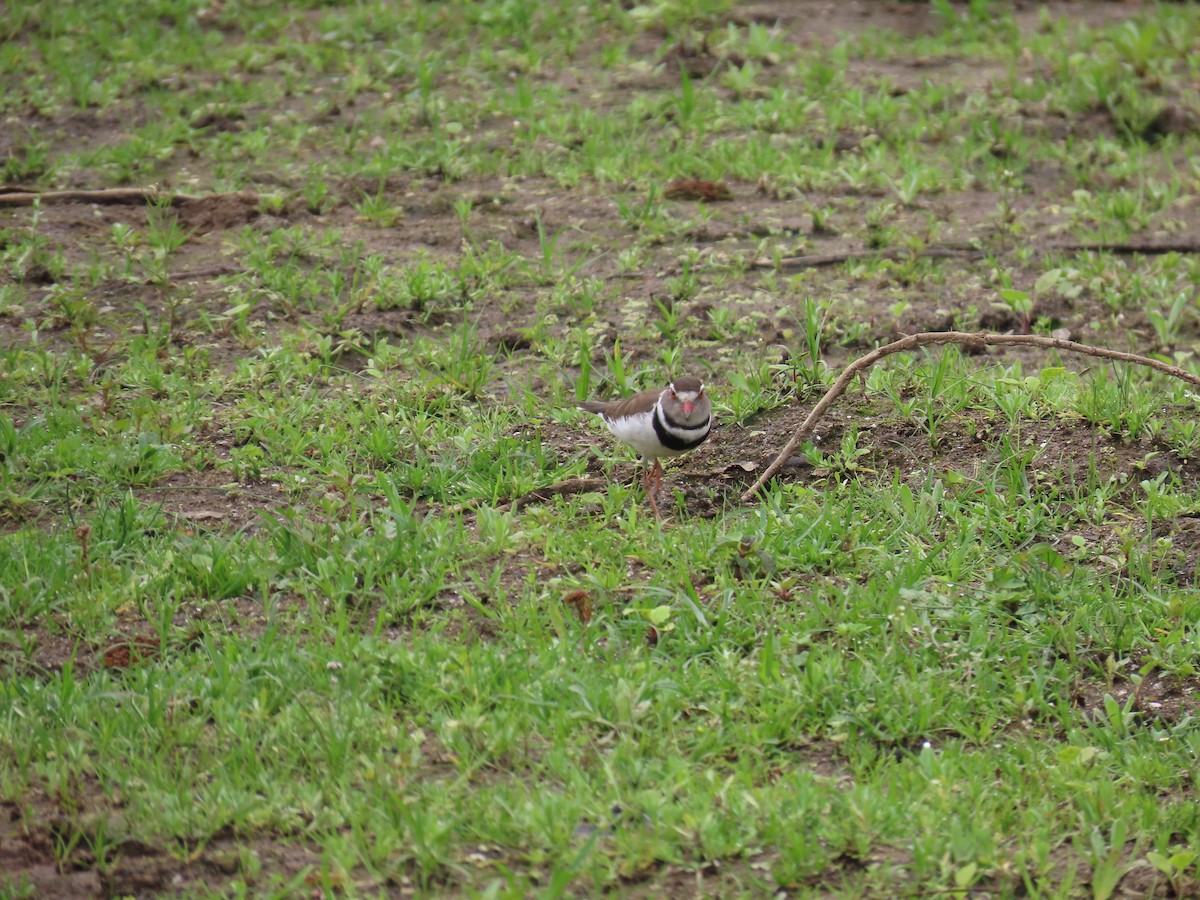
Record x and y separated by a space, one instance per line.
582 601
697 189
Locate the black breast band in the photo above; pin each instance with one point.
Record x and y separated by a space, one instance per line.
677 442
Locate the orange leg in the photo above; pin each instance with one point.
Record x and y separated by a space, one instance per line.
652 482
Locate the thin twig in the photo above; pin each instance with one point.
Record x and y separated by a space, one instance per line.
560 489
1155 248
977 339
108 195
791 263
1150 248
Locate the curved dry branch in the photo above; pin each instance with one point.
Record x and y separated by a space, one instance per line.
978 339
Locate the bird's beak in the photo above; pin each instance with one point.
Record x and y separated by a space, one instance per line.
688 406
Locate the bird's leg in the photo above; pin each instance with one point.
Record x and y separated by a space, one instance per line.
652 486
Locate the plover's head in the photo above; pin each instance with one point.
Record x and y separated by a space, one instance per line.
688 392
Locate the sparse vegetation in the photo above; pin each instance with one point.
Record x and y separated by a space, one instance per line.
312 580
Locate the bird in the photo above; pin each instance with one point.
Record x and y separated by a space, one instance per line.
657 423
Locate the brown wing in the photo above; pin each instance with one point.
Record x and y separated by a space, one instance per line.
630 406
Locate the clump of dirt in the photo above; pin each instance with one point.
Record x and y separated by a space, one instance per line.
219 212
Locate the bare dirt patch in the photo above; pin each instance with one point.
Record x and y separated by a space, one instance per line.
50 849
1157 697
508 212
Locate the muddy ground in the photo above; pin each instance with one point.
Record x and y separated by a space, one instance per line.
506 212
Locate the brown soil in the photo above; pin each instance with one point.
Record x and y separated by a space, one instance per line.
741 216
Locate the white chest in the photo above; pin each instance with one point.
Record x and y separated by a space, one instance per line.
638 432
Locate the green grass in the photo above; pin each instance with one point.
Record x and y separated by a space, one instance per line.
292 452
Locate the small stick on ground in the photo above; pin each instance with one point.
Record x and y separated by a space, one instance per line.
816 260
1156 248
792 263
560 489
541 495
978 339
10 197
